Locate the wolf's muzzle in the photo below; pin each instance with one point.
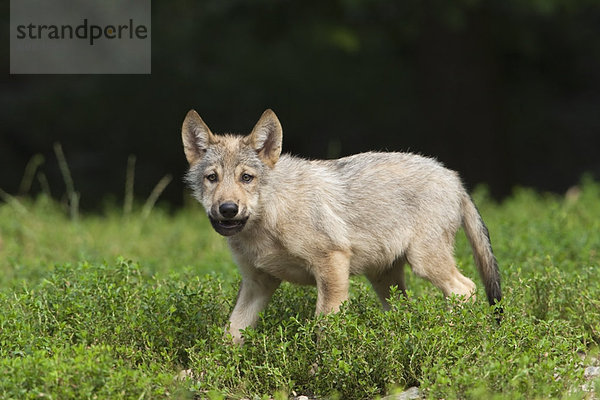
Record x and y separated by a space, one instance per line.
228 227
228 210
229 222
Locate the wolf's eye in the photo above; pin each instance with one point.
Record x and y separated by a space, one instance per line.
212 177
247 178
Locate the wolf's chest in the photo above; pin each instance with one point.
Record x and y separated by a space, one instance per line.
267 255
286 267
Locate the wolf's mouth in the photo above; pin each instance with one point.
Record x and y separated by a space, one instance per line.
228 227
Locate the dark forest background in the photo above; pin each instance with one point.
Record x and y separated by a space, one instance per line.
506 92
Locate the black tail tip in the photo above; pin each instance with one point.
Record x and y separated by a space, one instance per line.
498 313
494 296
498 309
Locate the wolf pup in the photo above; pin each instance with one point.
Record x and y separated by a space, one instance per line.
319 222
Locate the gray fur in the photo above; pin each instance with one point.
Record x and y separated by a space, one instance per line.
319 222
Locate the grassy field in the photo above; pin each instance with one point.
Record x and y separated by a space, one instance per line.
115 306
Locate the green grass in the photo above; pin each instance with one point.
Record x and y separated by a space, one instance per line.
79 320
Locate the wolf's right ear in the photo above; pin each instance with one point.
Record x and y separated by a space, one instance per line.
196 137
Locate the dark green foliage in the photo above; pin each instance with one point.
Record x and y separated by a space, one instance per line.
79 372
122 329
450 350
126 329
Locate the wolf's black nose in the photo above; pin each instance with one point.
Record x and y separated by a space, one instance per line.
228 210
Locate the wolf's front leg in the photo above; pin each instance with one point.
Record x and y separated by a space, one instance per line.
255 291
332 274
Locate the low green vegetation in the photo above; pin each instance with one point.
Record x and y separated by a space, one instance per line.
109 306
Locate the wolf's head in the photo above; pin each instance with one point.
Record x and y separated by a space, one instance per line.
226 171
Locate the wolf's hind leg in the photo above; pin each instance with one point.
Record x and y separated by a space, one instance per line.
435 262
332 274
382 281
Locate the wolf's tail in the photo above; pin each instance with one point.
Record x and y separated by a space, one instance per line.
479 238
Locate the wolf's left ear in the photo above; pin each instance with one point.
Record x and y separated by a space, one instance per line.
266 138
196 137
